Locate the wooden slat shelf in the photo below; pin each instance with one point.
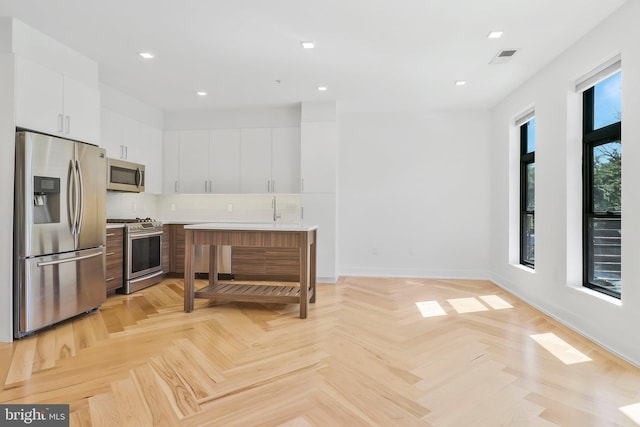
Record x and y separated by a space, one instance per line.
242 292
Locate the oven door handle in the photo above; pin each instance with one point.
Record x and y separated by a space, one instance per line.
140 235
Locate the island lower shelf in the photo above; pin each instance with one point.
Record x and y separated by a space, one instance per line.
279 294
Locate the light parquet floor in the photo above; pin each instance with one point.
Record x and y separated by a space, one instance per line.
364 356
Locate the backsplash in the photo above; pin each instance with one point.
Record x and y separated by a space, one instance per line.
205 207
131 205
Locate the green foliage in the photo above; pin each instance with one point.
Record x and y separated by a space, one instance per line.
607 167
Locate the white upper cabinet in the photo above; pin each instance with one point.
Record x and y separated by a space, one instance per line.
225 160
269 161
194 162
255 160
285 160
318 157
230 161
49 102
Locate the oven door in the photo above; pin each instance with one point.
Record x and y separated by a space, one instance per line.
144 254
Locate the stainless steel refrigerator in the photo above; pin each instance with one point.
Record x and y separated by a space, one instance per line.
59 230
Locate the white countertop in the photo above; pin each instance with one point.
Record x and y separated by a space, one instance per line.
115 225
248 226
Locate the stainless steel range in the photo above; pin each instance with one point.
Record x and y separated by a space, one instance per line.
142 253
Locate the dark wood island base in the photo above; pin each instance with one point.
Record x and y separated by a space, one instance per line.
251 235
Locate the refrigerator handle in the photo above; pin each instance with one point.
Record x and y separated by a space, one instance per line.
72 259
80 198
71 191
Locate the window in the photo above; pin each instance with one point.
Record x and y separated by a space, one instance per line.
527 192
602 163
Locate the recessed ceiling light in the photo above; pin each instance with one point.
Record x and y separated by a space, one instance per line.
201 93
461 82
495 34
146 55
322 88
307 45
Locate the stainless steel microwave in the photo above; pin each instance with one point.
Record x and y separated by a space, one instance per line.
125 176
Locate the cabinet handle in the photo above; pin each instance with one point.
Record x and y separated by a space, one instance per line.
210 186
273 185
111 234
60 122
268 186
205 186
110 253
122 151
175 186
126 152
301 212
302 185
109 279
67 122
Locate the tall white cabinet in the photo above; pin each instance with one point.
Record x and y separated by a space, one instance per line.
319 159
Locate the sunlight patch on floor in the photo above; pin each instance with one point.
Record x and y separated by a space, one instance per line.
632 411
560 348
467 305
430 309
495 302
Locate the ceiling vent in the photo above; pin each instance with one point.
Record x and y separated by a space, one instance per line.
503 56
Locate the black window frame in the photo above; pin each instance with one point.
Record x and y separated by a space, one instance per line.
591 139
526 158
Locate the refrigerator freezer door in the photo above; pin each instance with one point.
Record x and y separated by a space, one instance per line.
43 221
58 287
91 168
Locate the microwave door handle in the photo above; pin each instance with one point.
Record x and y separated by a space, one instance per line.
70 194
138 177
80 198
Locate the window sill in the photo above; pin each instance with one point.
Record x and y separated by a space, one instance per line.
599 295
524 268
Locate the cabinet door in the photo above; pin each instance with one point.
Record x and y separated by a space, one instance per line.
81 111
111 134
225 162
320 210
171 162
318 157
39 97
151 142
194 161
114 259
285 160
255 160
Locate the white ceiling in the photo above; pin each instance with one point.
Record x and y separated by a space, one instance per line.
371 54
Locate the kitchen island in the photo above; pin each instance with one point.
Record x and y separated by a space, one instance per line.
268 235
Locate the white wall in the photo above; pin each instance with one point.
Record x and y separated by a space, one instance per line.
413 194
555 286
235 118
7 159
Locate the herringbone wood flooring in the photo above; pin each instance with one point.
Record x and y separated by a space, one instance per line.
364 356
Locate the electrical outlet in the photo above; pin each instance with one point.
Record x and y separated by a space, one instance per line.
229 207
173 207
